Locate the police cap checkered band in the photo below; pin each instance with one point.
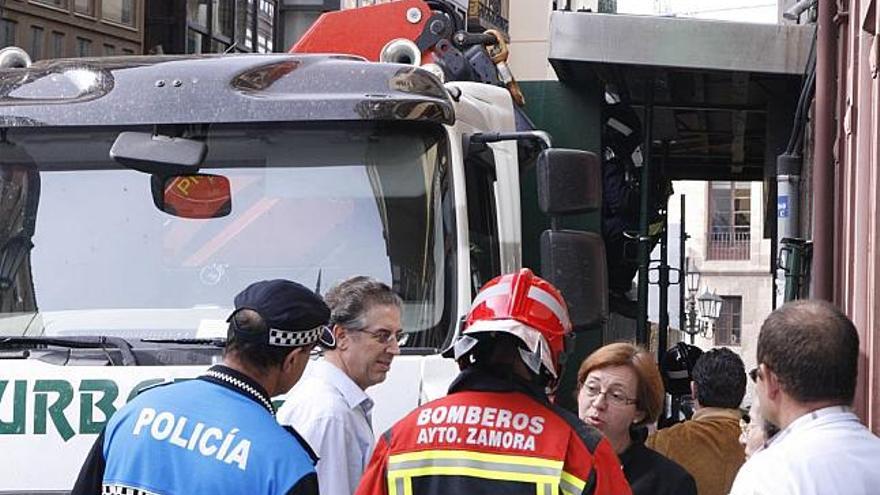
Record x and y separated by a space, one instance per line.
293 315
287 338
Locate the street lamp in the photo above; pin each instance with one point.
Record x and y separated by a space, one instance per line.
710 305
692 278
702 312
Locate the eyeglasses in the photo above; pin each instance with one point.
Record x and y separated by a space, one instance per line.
744 422
385 337
744 427
615 397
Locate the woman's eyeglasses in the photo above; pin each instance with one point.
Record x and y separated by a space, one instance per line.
615 396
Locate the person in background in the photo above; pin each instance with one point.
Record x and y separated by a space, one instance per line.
707 445
756 431
217 434
676 370
497 432
619 392
329 406
808 354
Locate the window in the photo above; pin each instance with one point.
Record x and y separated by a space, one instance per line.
61 4
728 328
729 233
224 18
37 35
86 7
57 44
267 8
127 51
212 25
482 219
249 38
109 50
7 32
83 47
197 12
121 11
193 41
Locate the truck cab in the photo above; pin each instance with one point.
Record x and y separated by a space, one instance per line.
140 194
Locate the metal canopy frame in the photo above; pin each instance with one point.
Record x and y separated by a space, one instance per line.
715 83
716 99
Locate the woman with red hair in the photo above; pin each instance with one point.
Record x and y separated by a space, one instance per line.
620 392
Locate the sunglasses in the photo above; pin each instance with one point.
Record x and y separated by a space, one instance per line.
755 374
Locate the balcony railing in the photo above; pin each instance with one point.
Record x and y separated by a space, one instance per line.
595 6
729 243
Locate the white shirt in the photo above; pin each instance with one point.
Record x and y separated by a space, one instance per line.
333 414
825 452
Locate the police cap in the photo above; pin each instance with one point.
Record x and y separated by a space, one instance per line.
295 316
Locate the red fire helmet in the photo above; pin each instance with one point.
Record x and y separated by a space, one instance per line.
528 307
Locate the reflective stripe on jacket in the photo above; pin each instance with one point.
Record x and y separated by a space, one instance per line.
492 436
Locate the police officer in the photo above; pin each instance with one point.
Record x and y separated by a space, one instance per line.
496 431
217 434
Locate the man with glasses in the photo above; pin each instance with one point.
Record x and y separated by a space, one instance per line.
330 407
808 354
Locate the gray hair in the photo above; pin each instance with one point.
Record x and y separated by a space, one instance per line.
350 300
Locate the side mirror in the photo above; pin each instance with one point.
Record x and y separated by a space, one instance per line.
569 181
574 262
197 196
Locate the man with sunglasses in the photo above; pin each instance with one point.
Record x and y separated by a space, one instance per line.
808 354
330 407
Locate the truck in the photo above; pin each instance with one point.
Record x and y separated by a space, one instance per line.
139 194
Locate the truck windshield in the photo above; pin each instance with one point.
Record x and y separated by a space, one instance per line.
86 252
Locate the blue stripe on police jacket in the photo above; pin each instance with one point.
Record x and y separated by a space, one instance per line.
202 437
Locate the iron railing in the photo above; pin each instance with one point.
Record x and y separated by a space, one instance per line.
729 243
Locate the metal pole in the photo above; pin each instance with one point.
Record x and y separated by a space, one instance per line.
644 240
823 160
663 322
682 267
663 303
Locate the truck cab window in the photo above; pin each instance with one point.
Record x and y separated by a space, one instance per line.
482 218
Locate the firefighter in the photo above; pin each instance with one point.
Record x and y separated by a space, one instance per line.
497 431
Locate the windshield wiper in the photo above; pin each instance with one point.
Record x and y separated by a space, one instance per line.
85 342
217 342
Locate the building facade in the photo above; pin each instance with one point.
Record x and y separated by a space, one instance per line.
724 222
210 26
73 28
842 184
297 16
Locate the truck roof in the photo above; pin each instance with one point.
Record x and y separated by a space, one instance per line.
218 88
